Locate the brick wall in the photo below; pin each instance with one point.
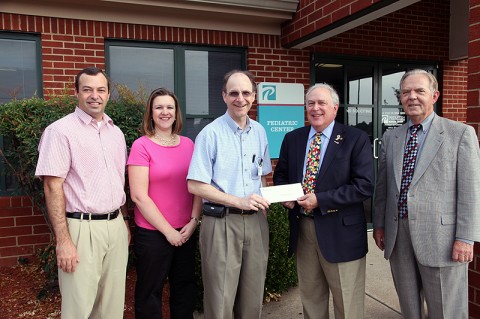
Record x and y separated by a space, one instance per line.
22 229
473 118
454 90
314 15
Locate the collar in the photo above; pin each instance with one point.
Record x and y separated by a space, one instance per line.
327 132
426 123
87 119
234 126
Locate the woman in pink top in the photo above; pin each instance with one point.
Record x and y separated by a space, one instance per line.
166 214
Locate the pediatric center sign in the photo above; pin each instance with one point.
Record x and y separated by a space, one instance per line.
280 110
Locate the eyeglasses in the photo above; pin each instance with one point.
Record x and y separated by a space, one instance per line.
236 94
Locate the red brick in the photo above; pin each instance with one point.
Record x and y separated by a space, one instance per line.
7 21
30 24
97 28
84 39
33 239
360 5
473 114
96 46
55 85
74 58
83 27
12 212
16 201
15 231
473 310
108 29
52 57
26 201
330 8
29 220
7 222
15 22
83 52
62 37
89 27
23 23
474 278
16 251
5 202
41 229
8 241
94 60
117 30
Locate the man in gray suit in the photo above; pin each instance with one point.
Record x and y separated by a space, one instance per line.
427 222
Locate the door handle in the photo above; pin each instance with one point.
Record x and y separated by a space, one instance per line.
376 142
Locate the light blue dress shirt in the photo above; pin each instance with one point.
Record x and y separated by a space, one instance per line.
229 158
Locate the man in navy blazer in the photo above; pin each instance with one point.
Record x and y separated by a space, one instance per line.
328 231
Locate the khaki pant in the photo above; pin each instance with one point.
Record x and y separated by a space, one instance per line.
96 290
317 278
234 254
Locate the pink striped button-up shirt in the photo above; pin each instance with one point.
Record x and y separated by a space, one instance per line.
91 159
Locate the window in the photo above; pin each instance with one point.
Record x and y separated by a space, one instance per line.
20 77
195 74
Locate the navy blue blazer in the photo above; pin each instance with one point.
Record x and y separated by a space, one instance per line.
345 180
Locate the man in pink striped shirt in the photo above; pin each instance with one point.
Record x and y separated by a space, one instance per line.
82 162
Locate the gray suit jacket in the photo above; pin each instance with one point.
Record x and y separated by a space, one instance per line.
444 196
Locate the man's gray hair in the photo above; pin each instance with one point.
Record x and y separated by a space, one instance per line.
433 84
333 93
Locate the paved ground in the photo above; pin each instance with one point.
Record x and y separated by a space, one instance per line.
380 296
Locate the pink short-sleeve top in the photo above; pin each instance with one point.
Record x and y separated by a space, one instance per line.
167 179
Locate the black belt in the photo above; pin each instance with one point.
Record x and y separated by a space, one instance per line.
233 210
88 216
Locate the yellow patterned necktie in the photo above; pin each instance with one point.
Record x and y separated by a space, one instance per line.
313 166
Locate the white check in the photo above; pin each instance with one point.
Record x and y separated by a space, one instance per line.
282 193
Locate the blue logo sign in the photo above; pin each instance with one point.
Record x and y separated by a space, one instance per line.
269 93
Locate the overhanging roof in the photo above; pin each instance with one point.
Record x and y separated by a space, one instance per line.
374 12
251 16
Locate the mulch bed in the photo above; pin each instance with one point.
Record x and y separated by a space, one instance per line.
21 285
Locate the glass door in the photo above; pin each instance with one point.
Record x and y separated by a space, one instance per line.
369 96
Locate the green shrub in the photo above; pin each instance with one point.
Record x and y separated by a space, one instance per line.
281 270
21 125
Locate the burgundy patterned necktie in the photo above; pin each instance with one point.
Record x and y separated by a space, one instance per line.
409 159
313 161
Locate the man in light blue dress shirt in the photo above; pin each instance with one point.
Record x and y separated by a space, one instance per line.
228 167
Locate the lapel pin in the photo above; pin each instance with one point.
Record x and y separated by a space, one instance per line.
338 139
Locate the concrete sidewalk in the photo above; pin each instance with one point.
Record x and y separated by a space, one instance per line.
380 297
